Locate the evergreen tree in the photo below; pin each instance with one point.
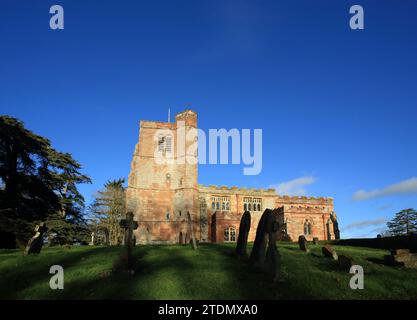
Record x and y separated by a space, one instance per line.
108 209
37 181
404 223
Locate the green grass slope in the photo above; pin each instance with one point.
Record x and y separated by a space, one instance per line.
212 272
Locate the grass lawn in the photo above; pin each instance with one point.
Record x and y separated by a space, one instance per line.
212 272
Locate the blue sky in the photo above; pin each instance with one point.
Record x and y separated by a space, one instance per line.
338 108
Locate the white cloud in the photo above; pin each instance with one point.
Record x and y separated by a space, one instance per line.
404 187
364 224
294 187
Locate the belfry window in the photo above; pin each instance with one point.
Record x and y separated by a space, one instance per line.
165 143
230 234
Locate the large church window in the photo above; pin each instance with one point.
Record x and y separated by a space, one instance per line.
307 228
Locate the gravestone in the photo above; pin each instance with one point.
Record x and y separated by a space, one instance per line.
265 252
302 242
346 262
129 225
36 242
242 240
328 252
402 257
316 241
336 229
190 225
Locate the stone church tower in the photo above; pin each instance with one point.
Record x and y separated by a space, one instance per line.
161 193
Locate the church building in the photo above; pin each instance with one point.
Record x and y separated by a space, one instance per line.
162 194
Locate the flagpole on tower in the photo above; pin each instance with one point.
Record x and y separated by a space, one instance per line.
169 114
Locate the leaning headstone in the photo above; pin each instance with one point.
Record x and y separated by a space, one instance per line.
402 257
265 252
35 244
242 239
302 242
190 225
129 225
272 261
345 262
328 252
257 257
316 241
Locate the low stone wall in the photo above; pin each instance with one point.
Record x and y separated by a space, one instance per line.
403 242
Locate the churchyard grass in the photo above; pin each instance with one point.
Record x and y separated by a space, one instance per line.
211 272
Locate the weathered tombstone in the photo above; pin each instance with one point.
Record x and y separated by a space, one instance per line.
316 241
402 257
190 224
242 240
265 252
345 262
328 252
272 262
35 244
302 242
129 225
336 230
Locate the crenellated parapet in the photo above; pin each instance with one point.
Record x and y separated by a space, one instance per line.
212 189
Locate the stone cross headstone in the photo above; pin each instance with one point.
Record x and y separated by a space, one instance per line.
329 252
129 225
242 239
190 224
316 241
302 242
36 242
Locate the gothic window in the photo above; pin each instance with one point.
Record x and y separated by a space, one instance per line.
217 205
213 205
230 234
168 216
307 228
254 204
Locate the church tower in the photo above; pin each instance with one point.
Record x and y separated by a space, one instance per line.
162 186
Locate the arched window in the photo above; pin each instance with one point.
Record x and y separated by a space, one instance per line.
245 207
230 234
307 228
259 207
213 205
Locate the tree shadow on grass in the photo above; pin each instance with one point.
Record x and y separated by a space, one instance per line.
31 271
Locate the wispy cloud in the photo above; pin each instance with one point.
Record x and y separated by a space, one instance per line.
365 223
384 207
404 187
294 187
